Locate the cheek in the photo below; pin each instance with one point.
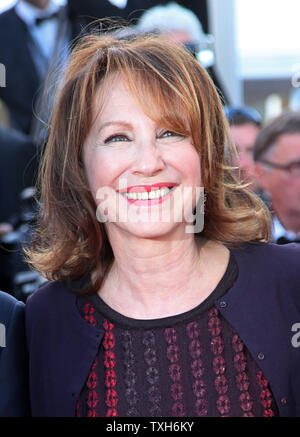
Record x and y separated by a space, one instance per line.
188 163
291 189
102 169
195 171
94 173
279 186
98 171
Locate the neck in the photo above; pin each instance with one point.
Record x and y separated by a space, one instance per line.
290 223
154 278
40 4
150 273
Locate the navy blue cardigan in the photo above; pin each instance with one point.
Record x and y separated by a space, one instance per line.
263 306
14 375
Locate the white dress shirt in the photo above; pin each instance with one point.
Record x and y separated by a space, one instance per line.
280 231
119 3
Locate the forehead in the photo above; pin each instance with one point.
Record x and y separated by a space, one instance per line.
118 94
287 147
112 93
115 102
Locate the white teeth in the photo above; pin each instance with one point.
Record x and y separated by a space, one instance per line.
164 191
148 195
133 196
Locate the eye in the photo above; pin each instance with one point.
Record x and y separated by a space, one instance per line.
116 139
168 134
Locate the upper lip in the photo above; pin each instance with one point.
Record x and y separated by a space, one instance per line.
147 188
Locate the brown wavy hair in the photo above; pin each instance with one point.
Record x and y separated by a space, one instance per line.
171 88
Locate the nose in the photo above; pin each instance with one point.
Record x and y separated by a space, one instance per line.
148 159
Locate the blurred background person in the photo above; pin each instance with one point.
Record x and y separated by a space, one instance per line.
181 25
245 124
32 34
18 168
277 157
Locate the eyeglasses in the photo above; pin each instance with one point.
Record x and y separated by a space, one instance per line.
293 168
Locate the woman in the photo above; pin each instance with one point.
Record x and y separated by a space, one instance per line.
146 313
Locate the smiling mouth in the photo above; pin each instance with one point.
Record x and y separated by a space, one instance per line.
147 195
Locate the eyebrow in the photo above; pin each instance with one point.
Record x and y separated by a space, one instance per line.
117 123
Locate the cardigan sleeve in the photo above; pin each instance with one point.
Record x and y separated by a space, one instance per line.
14 392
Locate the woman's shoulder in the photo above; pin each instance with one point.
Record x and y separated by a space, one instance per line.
268 256
267 259
48 297
270 267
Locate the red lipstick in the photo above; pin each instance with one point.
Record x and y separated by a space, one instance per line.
149 188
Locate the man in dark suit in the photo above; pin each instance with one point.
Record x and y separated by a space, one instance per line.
14 391
22 79
31 34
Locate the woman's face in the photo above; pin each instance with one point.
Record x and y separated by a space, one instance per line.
143 177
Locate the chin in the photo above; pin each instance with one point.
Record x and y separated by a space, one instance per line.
145 230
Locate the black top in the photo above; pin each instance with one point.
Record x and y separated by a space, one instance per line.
191 364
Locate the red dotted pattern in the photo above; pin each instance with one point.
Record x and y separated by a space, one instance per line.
111 396
265 395
89 312
92 380
219 365
242 379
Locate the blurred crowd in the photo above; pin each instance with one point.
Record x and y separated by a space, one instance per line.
36 38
